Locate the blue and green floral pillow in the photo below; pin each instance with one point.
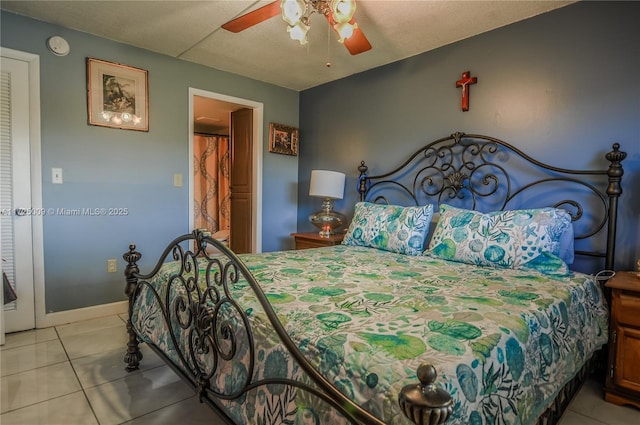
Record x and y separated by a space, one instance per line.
389 227
529 239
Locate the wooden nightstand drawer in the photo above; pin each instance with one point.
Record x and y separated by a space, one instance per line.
627 308
314 240
306 243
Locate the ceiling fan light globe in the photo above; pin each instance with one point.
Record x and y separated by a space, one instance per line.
292 11
345 30
343 10
299 32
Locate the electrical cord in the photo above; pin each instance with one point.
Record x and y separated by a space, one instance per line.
604 275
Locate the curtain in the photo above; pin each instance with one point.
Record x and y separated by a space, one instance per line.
211 182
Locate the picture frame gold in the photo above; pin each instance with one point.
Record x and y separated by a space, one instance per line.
117 95
283 139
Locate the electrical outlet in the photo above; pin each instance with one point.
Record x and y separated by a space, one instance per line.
177 180
112 265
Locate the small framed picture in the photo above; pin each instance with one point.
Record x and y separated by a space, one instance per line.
283 139
117 95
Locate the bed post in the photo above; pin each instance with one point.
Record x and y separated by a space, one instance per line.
133 355
614 190
362 183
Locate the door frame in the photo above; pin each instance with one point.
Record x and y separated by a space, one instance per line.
33 62
256 194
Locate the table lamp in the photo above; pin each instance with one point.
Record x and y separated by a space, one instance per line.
328 185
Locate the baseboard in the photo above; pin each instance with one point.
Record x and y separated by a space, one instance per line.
86 313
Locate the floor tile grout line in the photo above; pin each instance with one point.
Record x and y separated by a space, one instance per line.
134 372
32 369
39 402
37 367
588 417
30 344
157 410
75 373
82 333
5 347
88 331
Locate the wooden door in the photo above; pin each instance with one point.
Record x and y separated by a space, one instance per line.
241 180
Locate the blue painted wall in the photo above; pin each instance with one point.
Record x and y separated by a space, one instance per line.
105 167
561 86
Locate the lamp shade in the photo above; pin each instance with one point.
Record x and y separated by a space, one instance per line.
292 11
327 184
343 10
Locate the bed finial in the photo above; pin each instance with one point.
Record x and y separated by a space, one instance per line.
615 171
131 257
426 403
362 181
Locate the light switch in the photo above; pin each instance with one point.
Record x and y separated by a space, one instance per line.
56 175
177 180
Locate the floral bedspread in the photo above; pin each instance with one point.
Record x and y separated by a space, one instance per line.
503 341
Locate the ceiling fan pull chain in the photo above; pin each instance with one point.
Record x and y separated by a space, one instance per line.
328 64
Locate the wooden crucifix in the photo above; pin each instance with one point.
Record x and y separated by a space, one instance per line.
465 82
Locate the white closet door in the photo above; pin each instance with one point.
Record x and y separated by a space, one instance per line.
15 194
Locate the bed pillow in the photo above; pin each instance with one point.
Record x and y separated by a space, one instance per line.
389 227
511 239
566 252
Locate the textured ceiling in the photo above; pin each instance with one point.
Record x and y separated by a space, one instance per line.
190 30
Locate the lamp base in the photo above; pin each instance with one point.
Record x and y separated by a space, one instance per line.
327 220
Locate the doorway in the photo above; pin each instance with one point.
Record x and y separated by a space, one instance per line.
210 114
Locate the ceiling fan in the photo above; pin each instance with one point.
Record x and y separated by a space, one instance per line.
296 13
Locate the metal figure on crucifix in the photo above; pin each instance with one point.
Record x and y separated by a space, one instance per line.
465 82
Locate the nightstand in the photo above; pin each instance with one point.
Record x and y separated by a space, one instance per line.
623 372
314 240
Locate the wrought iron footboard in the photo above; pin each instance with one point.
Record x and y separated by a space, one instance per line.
200 314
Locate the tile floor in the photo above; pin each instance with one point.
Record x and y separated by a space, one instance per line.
74 374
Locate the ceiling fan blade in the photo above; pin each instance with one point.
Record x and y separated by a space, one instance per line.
357 43
252 18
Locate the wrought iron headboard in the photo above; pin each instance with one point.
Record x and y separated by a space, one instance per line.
471 171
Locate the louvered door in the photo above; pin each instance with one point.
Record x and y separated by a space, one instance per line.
15 193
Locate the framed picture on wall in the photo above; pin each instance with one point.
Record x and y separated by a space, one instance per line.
117 95
283 139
